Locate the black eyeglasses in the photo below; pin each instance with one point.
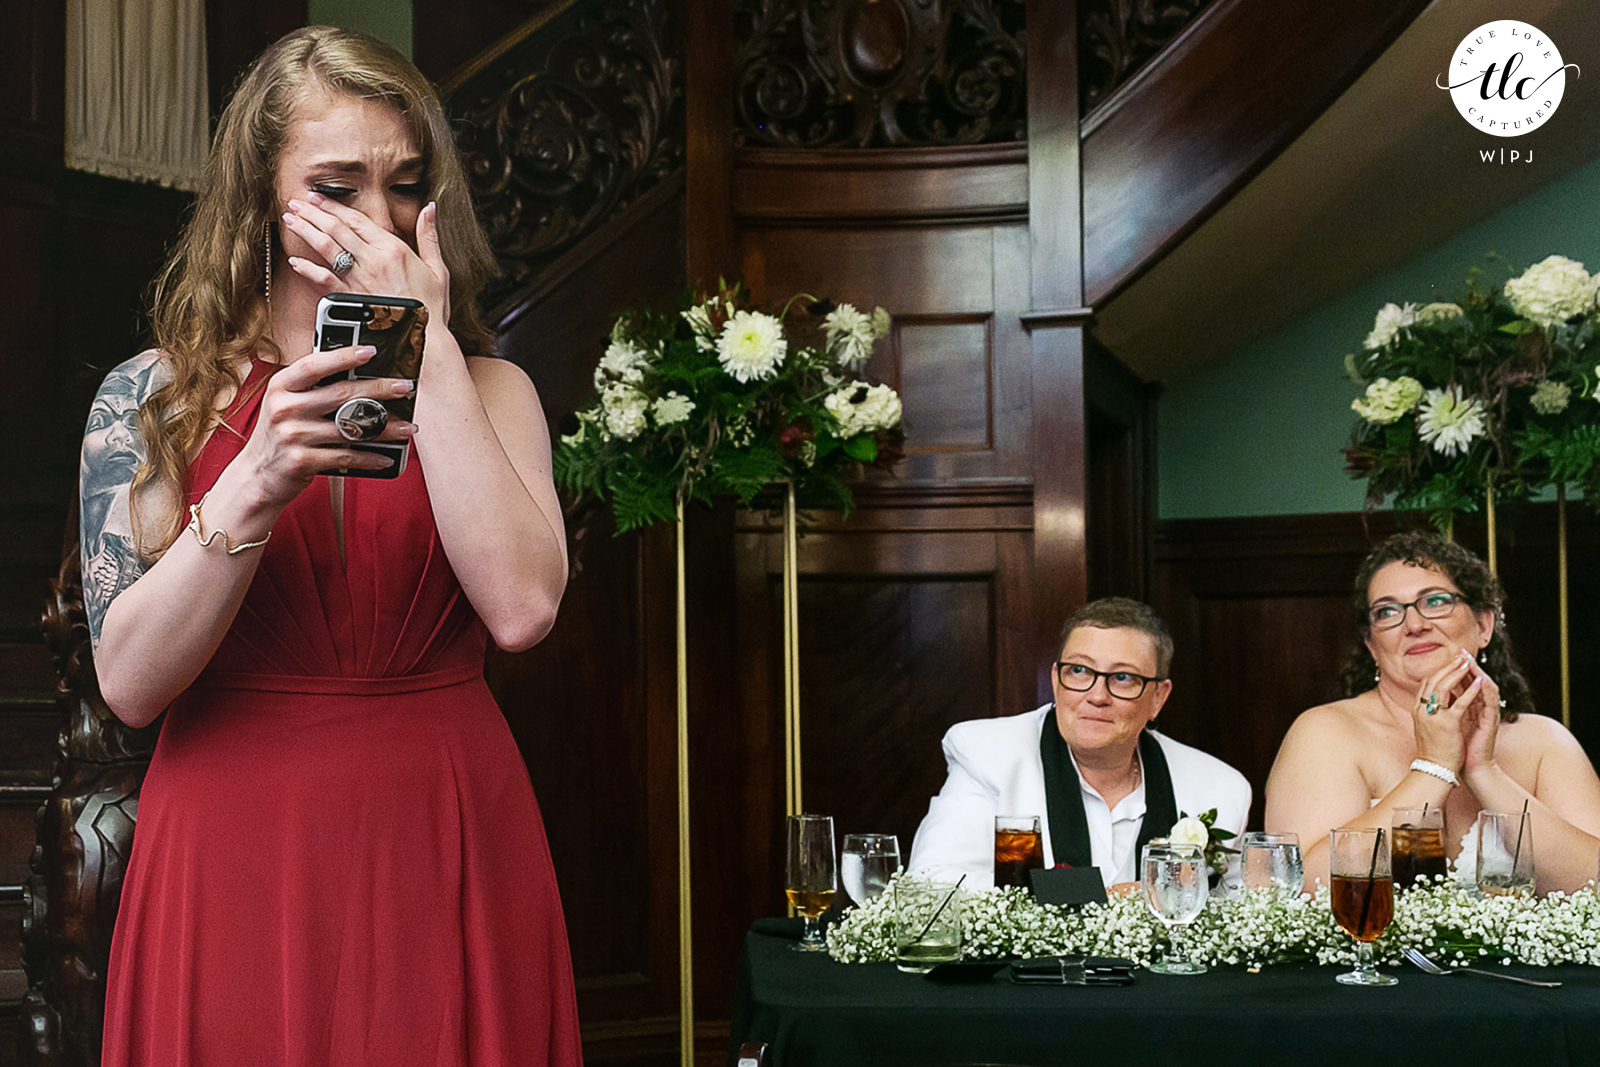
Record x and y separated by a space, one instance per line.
1434 605
1124 685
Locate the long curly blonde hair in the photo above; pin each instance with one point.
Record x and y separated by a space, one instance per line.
208 305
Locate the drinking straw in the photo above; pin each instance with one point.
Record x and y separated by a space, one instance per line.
1372 872
948 898
1517 854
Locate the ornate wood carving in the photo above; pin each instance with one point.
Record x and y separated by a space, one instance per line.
85 832
875 73
1116 37
569 127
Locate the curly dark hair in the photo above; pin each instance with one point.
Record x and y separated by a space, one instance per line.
1479 587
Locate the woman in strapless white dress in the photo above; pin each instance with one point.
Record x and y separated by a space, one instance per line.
1437 713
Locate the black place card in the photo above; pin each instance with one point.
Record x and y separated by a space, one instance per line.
1069 886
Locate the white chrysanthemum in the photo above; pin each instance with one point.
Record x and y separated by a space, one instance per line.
1550 398
1439 312
880 323
1391 319
625 410
1386 401
752 346
699 320
850 336
672 408
1450 422
860 408
1551 291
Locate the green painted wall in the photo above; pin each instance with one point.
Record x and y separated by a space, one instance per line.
387 20
1260 433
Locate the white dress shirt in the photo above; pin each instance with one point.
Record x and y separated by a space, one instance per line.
1113 832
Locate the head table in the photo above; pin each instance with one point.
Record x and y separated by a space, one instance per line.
813 1012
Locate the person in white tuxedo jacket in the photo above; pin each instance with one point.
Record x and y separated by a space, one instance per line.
1109 685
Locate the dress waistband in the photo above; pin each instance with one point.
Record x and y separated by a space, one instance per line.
339 684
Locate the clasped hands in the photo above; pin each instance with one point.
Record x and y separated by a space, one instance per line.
1457 716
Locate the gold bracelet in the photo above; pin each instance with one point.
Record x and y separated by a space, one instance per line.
227 542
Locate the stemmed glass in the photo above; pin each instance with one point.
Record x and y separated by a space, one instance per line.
867 863
1270 860
811 877
1363 895
1175 886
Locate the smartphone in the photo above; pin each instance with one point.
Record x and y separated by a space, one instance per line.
395 326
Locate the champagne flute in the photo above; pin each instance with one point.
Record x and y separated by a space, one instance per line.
1363 895
867 863
1175 886
811 877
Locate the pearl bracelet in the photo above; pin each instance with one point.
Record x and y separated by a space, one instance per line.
1443 773
227 542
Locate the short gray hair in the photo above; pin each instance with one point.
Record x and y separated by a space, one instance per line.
1119 612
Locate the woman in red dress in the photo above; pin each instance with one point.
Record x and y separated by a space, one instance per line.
339 859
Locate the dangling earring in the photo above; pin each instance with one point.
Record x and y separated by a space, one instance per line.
267 242
1377 676
1483 654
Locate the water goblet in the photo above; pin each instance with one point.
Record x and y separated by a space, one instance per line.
811 876
1272 860
866 864
1363 895
1175 887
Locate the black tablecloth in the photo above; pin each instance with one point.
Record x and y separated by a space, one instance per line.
813 1012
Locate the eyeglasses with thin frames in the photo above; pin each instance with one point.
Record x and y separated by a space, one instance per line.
1124 685
1435 605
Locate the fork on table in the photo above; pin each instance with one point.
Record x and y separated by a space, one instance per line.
1428 965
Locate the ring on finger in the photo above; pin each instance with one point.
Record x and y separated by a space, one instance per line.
343 262
1431 705
360 419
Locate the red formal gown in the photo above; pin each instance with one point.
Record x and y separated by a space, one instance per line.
339 860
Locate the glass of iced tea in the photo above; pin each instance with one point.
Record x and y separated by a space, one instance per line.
1417 847
1018 849
1363 895
810 874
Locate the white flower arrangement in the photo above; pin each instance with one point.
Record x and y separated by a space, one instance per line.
862 408
1254 928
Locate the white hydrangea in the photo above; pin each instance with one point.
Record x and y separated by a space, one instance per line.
861 408
1551 398
1450 422
1551 291
850 335
751 346
625 410
1387 401
1390 321
672 408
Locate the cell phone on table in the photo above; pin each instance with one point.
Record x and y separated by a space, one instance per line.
395 326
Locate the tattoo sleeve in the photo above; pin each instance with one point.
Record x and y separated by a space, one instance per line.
112 452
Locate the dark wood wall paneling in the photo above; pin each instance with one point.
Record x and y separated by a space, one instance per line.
1259 610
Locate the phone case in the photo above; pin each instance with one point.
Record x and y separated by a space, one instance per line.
395 326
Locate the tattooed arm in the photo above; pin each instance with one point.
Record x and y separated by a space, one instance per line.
156 625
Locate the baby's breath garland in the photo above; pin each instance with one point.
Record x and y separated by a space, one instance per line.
1255 928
